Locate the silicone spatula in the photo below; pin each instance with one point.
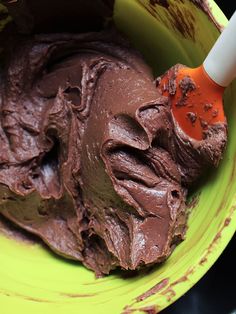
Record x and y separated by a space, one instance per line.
196 95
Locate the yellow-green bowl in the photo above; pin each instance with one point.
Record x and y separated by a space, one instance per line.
32 280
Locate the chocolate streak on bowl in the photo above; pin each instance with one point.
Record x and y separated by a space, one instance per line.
152 309
177 16
169 292
156 288
163 3
24 297
217 237
78 295
204 6
181 19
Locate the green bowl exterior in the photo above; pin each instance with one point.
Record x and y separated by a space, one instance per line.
33 280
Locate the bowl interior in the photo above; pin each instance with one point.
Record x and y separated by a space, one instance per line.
34 280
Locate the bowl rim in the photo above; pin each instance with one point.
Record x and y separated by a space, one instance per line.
219 246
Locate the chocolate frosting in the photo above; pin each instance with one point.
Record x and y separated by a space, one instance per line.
91 159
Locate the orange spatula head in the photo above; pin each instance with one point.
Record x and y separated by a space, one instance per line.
196 100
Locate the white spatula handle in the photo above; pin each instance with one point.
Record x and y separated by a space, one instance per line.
220 64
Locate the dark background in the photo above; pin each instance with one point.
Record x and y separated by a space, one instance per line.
215 293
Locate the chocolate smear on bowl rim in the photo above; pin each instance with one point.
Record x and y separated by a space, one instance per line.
156 288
